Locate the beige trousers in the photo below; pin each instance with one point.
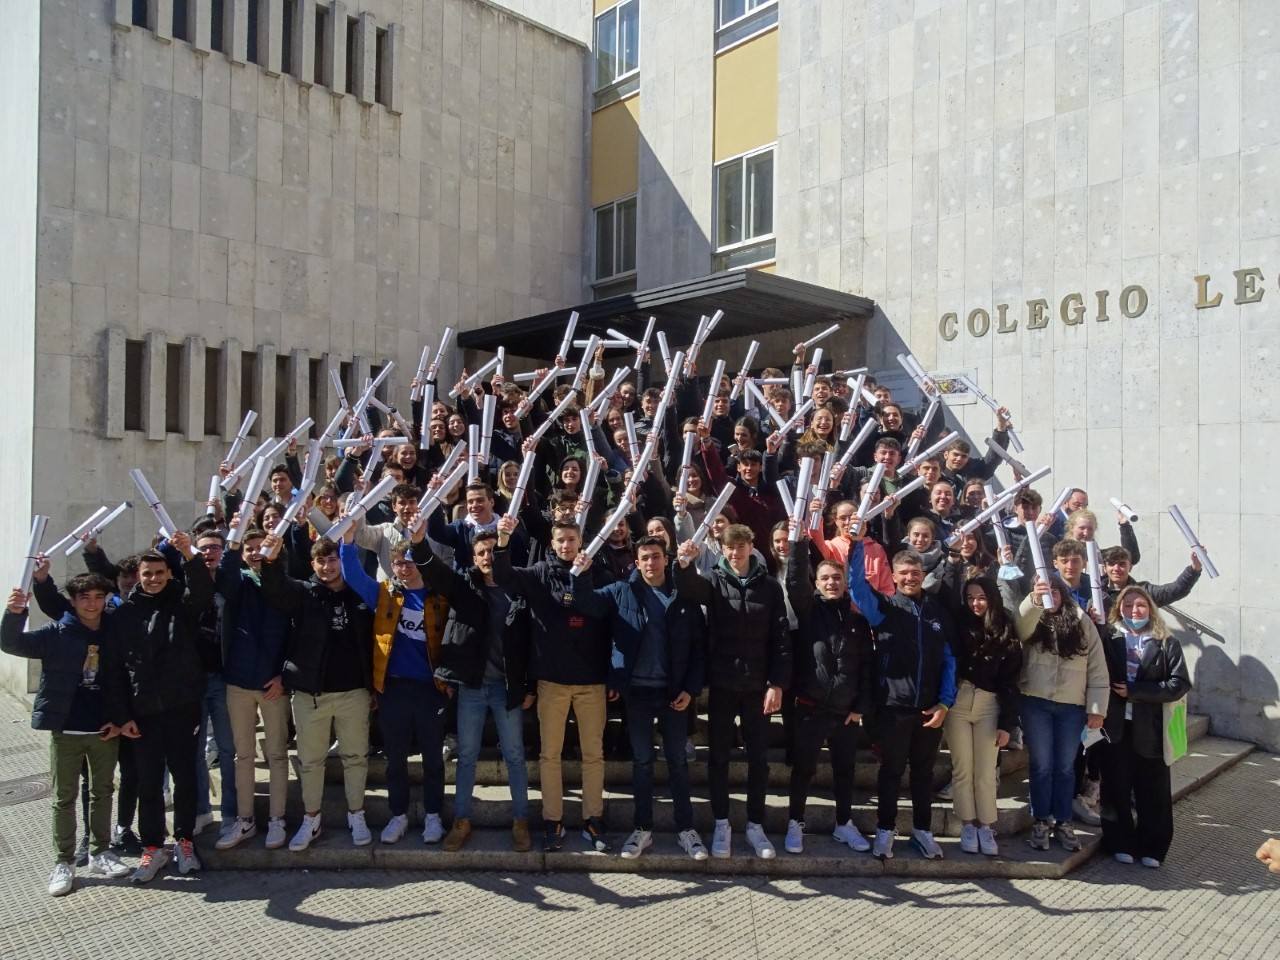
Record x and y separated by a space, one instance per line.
971 736
243 707
588 704
349 713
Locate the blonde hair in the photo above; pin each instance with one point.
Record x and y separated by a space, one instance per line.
1082 514
1159 629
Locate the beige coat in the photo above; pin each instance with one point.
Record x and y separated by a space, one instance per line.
1081 680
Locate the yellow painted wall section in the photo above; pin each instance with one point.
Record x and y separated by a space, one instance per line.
615 151
768 268
603 5
747 96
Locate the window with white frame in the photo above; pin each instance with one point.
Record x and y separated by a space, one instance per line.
744 201
738 19
617 43
615 239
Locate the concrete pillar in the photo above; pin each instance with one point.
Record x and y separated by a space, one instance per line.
191 397
235 29
113 428
334 71
391 68
200 25
303 54
366 57
122 14
153 385
300 387
270 35
160 18
264 391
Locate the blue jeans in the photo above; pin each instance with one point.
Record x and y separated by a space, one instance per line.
411 712
644 705
473 704
1052 733
214 708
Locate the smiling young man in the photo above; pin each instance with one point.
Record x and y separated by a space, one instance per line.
458 534
83 701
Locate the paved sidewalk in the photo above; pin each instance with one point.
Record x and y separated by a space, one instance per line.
1211 900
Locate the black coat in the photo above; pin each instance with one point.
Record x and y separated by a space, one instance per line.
1162 678
464 651
834 666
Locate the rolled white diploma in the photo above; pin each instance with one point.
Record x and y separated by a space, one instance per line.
588 489
894 498
811 378
665 351
686 458
1037 558
372 388
311 469
1002 540
428 401
765 405
415 393
584 365
633 441
469 384
771 381
624 507
855 391
96 530
602 399
588 438
924 455
707 325
1192 541
38 524
914 371
375 444
215 487
619 335
644 342
914 443
473 453
868 428
1094 557
712 391
241 436
540 388
338 389
784 494
487 415
873 487
290 513
334 425
502 362
432 499
552 373
455 455
1124 508
821 336
746 369
393 415
668 391
850 373
261 470
804 486
569 327
641 468
296 433
994 405
716 508
561 407
163 520
607 344
444 343
241 470
797 384
821 487
374 496
1059 500
79 529
522 483
1006 498
1007 457
869 398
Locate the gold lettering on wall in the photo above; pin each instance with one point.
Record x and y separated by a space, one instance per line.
1037 313
1003 325
1202 293
978 322
1102 305
947 326
1072 309
1247 289
1133 301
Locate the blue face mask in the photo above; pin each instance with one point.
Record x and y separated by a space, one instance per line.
1136 625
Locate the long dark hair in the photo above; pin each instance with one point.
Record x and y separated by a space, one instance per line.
1060 631
991 634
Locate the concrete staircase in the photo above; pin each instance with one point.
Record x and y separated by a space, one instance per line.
490 847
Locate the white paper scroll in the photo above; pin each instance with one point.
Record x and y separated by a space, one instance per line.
434 369
1193 541
38 525
665 351
267 451
470 383
804 487
552 374
502 362
261 470
705 329
415 391
572 325
1002 540
554 417
896 497
167 527
914 443
994 507
527 403
822 488
788 501
473 453
372 388
873 487
1125 509
334 425
242 435
624 507
992 403
428 401
522 483
754 392
811 377
619 335
716 508
1004 455
927 454
863 436
96 530
588 436
633 442
588 490
584 365
487 415
432 499
745 372
821 336
797 418
370 499
78 530
1037 558
339 390
714 389
606 344
601 402
643 349
686 458
215 487
1059 500
668 391
394 416
1094 558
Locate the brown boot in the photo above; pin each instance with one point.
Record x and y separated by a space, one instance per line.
457 836
521 842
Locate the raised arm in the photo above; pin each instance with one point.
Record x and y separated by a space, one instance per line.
353 573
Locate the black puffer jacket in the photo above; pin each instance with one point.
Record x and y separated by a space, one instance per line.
748 642
464 651
160 635
833 657
1162 678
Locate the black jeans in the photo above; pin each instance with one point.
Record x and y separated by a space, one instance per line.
643 705
722 706
168 739
905 740
812 729
127 791
1129 780
410 710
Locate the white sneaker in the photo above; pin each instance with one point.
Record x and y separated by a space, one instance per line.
759 842
849 834
395 829
202 820
309 830
107 864
969 838
692 844
62 879
636 844
185 857
275 833
233 832
360 835
1086 814
722 840
1125 858
987 845
883 847
433 829
1151 862
794 843
923 841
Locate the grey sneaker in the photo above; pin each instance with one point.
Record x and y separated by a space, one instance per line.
760 843
1040 833
1151 863
185 854
923 841
62 879
969 838
849 834
692 844
1085 812
636 844
987 842
152 862
1066 835
722 840
882 849
107 864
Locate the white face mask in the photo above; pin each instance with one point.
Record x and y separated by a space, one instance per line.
1136 624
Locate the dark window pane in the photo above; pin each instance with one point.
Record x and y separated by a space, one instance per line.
252 53
173 383
628 37
139 20
626 228
286 34
249 388
181 29
321 15
606 49
352 24
212 388
729 202
760 194
218 12
133 382
284 386
380 58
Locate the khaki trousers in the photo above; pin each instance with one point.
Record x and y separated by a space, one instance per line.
588 704
349 713
971 735
243 708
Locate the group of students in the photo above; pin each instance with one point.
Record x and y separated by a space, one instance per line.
891 631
